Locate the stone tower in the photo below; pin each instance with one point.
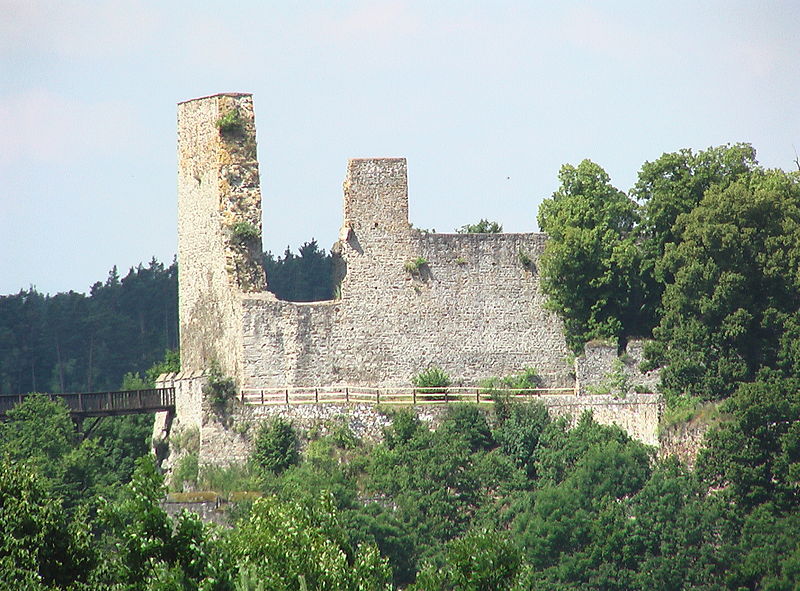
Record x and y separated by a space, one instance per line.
219 227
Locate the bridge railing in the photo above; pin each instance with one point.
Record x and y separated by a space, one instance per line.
413 396
89 403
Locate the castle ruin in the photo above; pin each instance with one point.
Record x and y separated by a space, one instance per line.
408 299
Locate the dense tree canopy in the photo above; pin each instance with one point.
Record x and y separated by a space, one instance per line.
70 342
308 277
732 305
590 266
706 264
709 260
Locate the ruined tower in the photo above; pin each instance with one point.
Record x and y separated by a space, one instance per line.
219 227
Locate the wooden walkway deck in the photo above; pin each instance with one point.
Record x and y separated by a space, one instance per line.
103 404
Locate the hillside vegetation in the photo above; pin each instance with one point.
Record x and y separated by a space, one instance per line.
704 261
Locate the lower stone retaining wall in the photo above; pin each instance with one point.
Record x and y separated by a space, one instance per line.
226 435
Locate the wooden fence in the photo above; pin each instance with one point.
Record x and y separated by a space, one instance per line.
413 396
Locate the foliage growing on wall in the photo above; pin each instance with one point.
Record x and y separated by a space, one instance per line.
231 122
244 231
219 388
415 266
482 227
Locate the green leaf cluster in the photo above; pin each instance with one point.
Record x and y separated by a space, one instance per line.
482 227
706 263
590 266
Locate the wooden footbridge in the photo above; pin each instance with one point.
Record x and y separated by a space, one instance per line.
97 405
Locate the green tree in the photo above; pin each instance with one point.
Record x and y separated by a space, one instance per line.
293 546
590 267
732 306
519 430
148 550
676 182
39 548
308 277
674 185
479 561
276 447
756 455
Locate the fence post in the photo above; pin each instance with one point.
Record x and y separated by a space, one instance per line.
377 395
477 395
445 395
80 401
262 396
287 396
347 394
316 395
139 396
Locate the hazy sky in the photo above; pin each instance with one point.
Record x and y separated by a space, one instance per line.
486 100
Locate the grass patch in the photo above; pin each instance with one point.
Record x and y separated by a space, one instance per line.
683 410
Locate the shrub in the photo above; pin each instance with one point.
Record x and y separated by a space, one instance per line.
231 122
219 388
524 258
244 231
519 431
276 447
468 422
433 379
185 472
482 227
405 425
526 381
227 479
414 266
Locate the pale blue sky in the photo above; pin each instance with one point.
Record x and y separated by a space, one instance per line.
486 100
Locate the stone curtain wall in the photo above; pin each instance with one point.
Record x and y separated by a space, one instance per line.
227 438
470 304
473 308
218 187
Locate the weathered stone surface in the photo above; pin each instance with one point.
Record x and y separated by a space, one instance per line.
218 188
469 303
227 437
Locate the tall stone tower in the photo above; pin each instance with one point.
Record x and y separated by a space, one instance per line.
219 227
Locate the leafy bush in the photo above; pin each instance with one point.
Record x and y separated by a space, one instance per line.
521 426
527 381
276 447
479 560
227 479
468 422
231 122
186 472
405 424
244 231
433 379
414 266
482 227
219 388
